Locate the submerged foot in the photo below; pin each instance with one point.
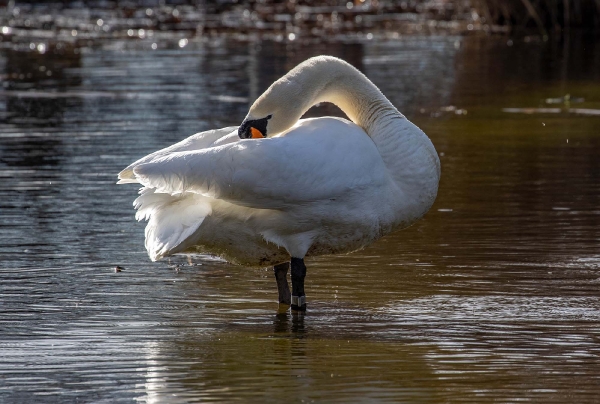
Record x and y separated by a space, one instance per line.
298 303
283 308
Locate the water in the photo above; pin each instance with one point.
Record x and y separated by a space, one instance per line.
492 297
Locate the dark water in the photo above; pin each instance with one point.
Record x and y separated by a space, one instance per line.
492 297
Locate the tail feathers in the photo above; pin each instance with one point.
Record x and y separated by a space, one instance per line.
171 219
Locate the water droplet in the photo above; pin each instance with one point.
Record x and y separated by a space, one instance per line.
154 45
100 22
183 42
291 36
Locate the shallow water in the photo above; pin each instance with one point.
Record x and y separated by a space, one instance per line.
492 297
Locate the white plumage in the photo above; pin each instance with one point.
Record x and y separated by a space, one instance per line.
312 187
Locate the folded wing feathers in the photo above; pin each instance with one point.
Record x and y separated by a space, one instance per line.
173 214
181 172
195 142
172 219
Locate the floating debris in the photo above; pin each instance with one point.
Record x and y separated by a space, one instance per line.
566 99
529 111
585 111
118 268
449 108
532 110
229 98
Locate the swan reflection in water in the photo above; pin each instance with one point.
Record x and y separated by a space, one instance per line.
279 188
258 365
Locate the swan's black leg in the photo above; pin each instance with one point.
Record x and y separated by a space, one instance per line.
281 271
298 275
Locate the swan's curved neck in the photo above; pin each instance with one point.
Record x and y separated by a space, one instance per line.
408 153
333 80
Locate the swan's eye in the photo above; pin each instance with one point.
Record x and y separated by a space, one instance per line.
254 128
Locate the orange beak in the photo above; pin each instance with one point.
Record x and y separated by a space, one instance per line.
256 134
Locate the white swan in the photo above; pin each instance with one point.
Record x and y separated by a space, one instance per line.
280 188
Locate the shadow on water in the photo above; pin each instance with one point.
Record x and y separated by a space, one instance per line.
491 297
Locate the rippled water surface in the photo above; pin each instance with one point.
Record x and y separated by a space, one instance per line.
492 297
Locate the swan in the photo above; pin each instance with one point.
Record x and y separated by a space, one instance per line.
279 188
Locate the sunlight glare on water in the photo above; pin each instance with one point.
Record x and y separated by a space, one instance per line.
493 296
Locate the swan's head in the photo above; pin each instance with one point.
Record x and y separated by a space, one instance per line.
278 108
254 128
273 112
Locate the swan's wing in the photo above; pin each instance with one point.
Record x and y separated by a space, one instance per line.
317 160
171 219
198 141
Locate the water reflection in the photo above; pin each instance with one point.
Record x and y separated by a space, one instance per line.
321 370
38 71
492 297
